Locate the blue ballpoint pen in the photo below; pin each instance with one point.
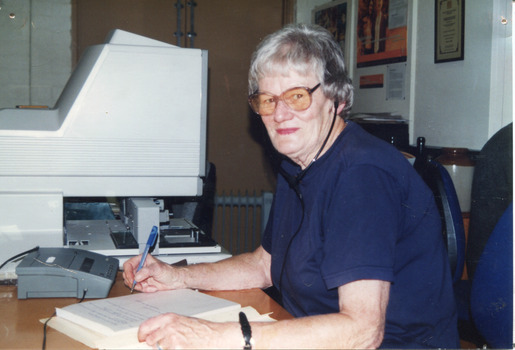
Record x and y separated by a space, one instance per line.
150 242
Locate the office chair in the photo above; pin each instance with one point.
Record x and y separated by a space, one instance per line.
440 182
492 194
491 294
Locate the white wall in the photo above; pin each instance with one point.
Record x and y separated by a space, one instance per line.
453 104
463 103
35 51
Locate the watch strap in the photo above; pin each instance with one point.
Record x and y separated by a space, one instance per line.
246 330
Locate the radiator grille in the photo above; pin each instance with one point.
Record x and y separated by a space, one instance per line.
240 219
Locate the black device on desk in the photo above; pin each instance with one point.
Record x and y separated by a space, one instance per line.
393 132
65 272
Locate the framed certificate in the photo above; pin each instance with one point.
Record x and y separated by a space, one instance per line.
449 30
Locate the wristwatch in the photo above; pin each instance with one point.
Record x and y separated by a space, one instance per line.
247 332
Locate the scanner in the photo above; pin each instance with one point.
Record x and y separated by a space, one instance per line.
65 272
128 129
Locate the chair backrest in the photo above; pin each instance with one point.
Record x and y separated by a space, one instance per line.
440 182
491 295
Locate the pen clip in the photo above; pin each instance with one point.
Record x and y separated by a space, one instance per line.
153 237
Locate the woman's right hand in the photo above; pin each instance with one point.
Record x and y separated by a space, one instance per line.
154 276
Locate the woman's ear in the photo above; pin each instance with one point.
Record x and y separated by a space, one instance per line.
339 108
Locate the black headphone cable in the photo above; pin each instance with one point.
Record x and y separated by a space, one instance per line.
294 182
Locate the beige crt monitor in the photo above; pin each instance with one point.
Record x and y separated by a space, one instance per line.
130 122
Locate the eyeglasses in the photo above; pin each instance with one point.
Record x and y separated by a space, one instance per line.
297 98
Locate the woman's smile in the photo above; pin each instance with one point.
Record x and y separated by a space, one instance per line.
286 131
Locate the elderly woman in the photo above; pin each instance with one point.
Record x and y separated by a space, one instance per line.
353 243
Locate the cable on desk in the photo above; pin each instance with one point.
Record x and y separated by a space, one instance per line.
44 330
18 255
48 320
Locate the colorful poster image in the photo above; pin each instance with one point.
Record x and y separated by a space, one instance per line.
381 32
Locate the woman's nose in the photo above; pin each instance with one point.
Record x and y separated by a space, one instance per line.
282 112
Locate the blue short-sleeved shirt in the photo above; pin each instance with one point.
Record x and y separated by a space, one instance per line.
367 215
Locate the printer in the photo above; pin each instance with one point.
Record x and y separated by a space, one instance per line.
129 126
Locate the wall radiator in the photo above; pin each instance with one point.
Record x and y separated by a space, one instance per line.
240 219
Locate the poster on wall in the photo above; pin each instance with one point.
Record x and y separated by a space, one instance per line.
382 32
333 17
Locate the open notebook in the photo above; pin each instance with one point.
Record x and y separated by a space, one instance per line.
113 323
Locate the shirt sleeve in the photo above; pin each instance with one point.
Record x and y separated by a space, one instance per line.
362 227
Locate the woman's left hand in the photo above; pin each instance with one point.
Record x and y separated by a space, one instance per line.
172 331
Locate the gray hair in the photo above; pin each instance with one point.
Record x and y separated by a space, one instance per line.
303 49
